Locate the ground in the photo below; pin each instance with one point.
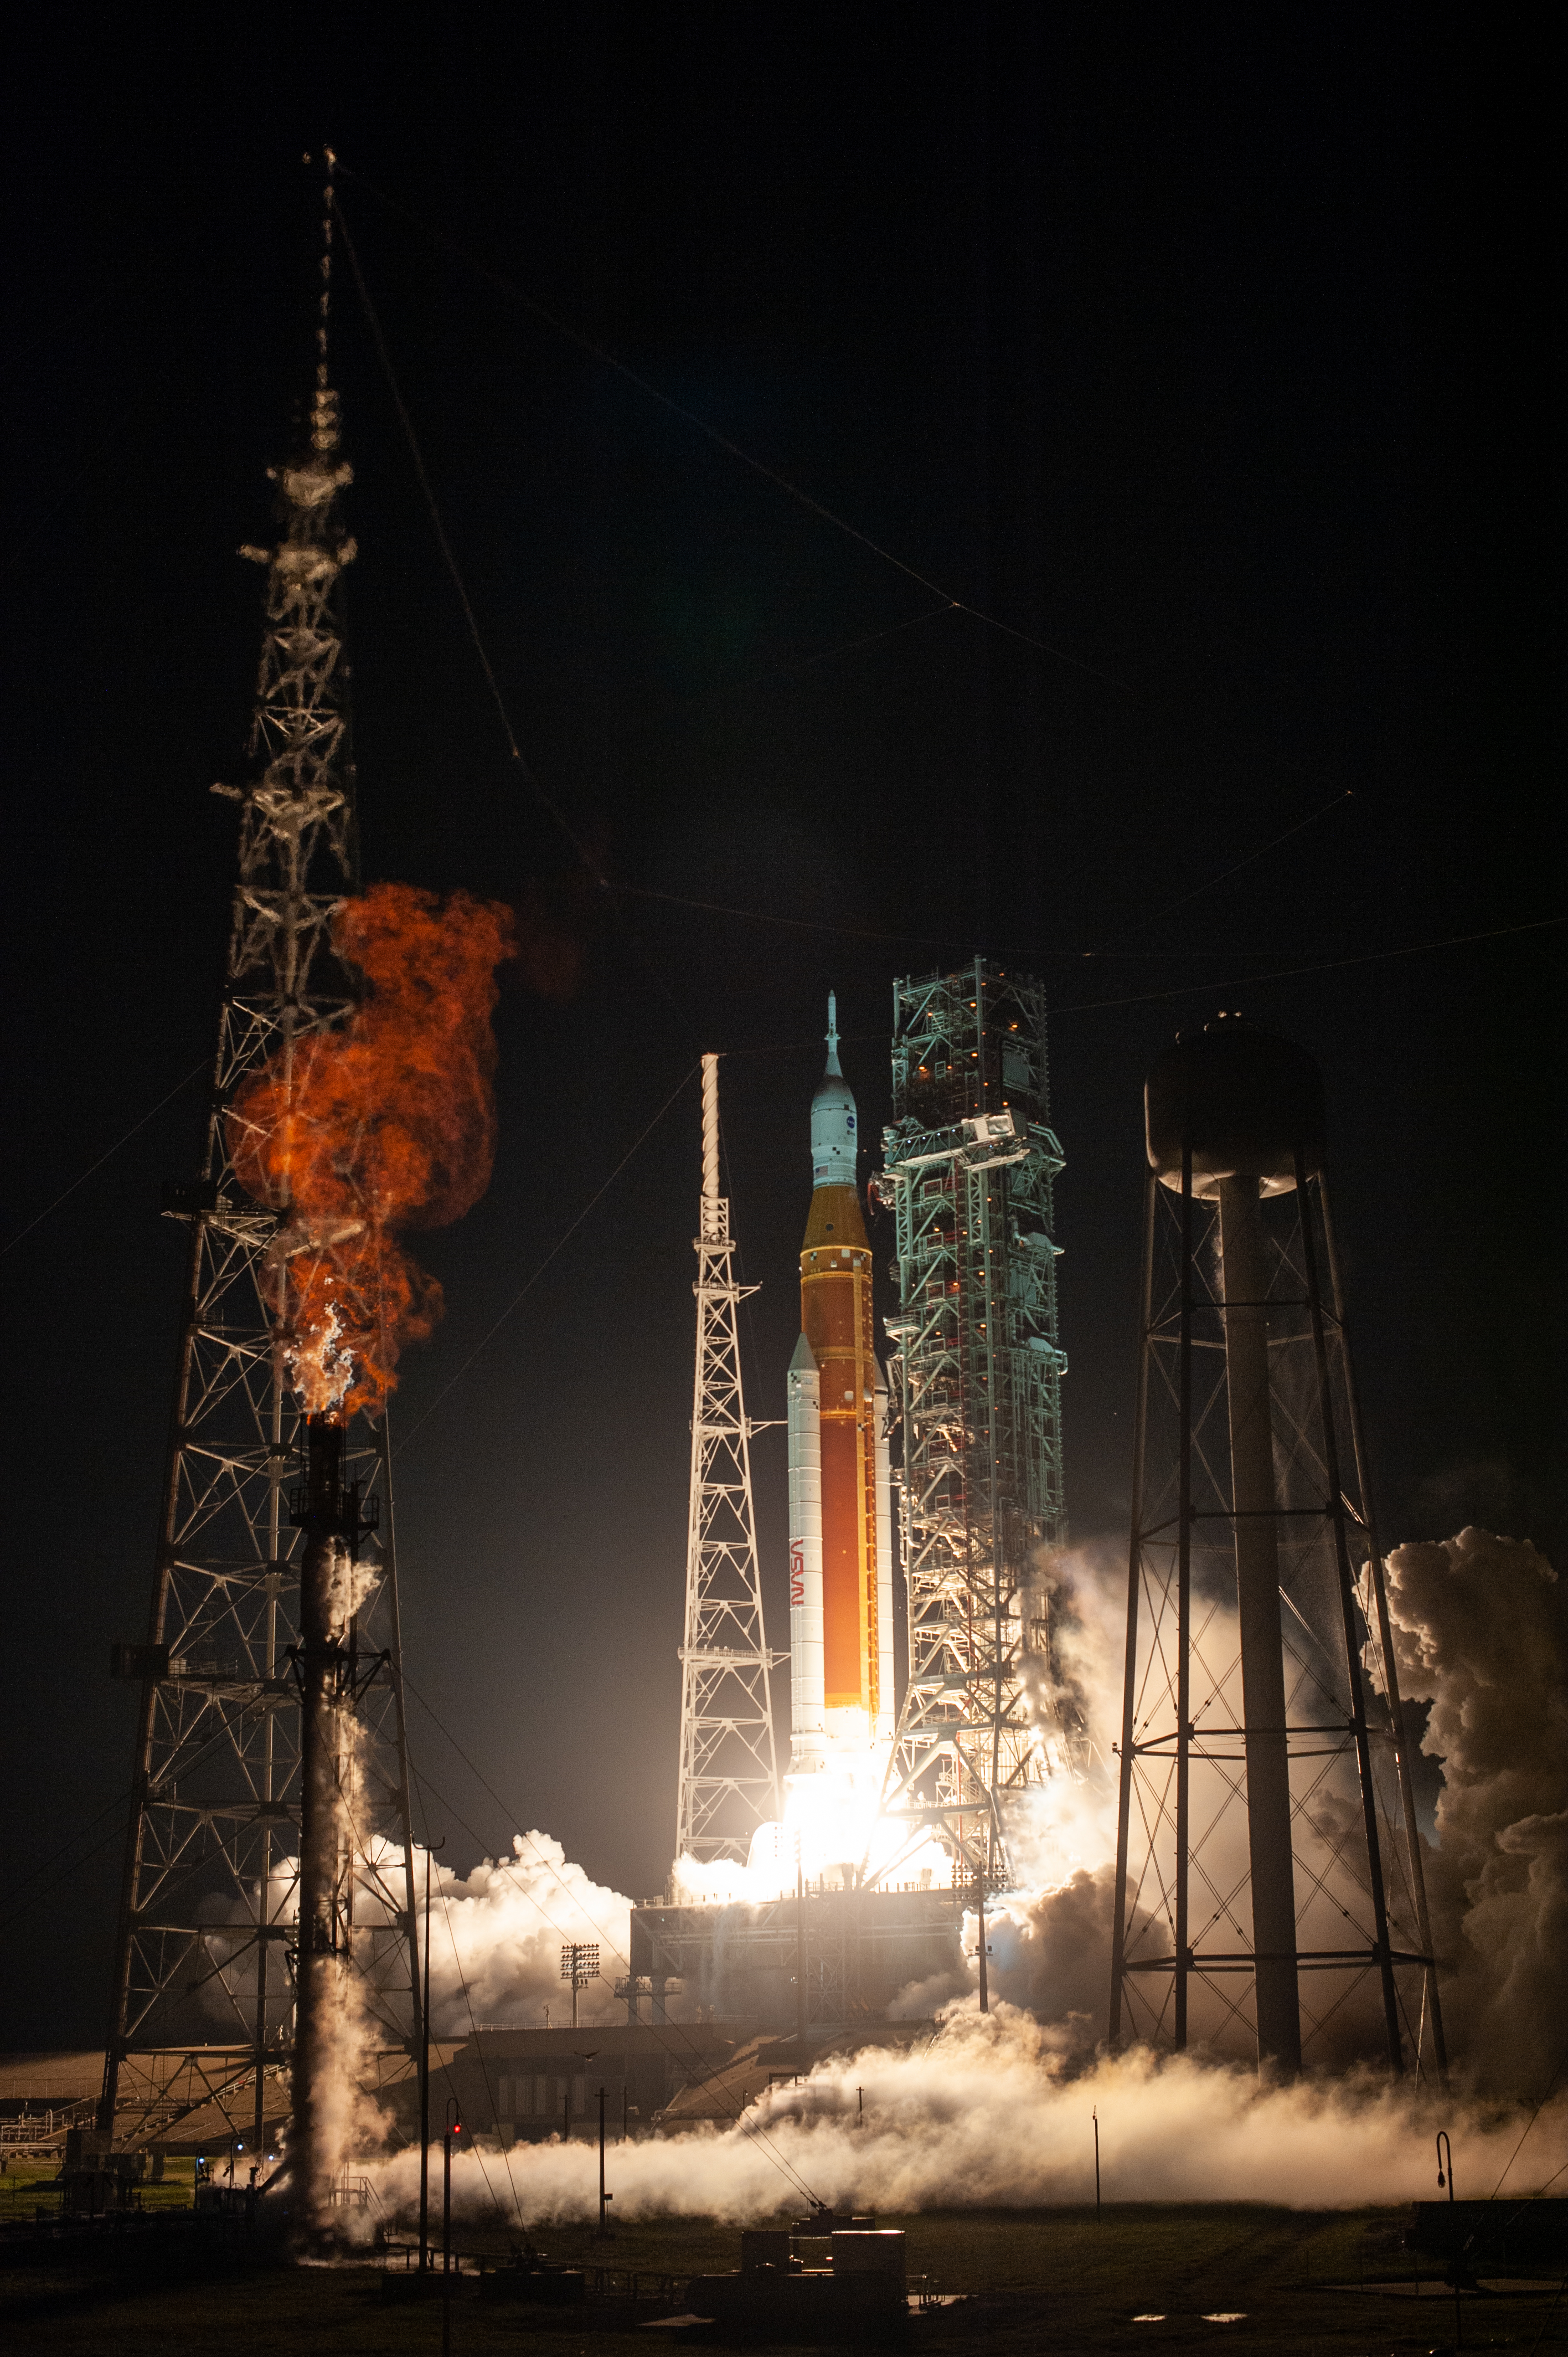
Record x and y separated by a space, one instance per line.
1298 2282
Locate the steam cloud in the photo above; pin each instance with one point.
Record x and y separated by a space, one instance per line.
1480 1631
990 2113
995 2109
498 1933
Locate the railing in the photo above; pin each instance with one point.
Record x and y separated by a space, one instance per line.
46 2127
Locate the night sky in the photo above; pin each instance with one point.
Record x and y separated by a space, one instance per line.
1205 354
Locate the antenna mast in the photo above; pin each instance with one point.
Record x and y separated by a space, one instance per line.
206 1961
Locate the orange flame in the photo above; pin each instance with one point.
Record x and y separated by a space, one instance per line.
386 1123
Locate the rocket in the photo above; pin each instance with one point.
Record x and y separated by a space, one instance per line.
840 1524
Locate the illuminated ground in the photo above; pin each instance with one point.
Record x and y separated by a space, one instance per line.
1045 2279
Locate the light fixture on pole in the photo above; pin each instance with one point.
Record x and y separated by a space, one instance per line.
579 1966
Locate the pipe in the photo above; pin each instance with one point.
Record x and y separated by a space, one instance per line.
1254 1508
324 1862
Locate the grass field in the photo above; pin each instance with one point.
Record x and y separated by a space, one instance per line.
1295 2281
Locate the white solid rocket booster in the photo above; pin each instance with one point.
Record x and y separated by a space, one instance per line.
886 1715
808 1713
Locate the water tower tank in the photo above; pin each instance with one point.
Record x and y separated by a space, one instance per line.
1246 1099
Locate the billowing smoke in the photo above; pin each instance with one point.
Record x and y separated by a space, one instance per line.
1481 1630
497 1932
990 2111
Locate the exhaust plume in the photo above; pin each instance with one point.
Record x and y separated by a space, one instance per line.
385 1123
990 2113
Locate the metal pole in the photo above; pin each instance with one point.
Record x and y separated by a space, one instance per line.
323 1866
1134 1573
447 2234
424 2077
1095 2118
1255 1507
1431 2001
405 1797
800 1948
1443 2138
1352 1644
980 1901
603 2197
1183 1603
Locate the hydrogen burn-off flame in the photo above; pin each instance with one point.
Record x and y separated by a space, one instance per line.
385 1123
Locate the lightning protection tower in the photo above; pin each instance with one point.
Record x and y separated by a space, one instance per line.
729 1774
976 1378
207 1956
1266 1845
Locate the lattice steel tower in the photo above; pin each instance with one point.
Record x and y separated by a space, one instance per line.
1267 1842
729 1772
968 1167
207 1937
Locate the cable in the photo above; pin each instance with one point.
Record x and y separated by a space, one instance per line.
1327 965
525 769
824 654
1199 889
733 449
562 1239
445 544
930 941
87 1174
1530 2124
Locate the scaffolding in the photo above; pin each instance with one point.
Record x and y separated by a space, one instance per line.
975 1383
205 1960
729 1783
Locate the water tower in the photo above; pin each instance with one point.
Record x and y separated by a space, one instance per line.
1269 1890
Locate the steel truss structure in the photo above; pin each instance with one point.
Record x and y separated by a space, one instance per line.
207 1950
729 1771
1219 1916
975 1379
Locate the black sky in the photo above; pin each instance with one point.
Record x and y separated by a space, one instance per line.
1208 348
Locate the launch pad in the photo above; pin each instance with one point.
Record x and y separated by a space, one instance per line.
849 1954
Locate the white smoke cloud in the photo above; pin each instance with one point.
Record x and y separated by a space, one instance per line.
1481 1630
990 2113
497 1932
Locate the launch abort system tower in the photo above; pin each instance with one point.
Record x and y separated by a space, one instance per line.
969 1162
207 1961
1269 1891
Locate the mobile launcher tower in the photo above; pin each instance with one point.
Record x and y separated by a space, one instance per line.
968 1165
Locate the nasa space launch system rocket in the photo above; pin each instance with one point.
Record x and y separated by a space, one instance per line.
840 1537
